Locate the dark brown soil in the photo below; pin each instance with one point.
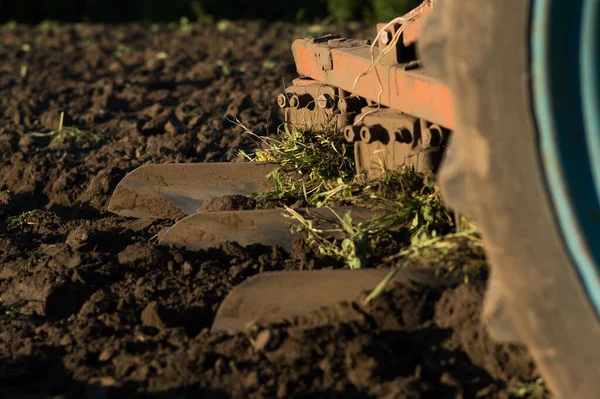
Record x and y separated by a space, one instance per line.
91 306
228 203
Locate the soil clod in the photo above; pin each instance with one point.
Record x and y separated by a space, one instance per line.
228 203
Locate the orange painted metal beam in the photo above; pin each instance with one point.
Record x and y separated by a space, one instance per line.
339 62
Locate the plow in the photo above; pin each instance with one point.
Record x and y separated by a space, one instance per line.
500 100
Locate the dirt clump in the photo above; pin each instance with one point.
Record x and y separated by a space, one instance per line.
228 203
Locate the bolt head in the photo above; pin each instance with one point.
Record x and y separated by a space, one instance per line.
282 100
386 37
431 137
366 134
351 133
325 101
294 101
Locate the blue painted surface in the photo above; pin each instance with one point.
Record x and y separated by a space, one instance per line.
565 76
590 72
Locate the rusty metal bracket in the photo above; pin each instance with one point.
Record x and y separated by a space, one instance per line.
410 91
323 45
323 58
388 139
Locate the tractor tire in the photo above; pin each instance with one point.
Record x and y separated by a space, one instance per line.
493 172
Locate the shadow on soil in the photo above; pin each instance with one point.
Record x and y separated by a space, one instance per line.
45 376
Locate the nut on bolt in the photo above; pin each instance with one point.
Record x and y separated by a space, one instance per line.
283 100
352 133
325 101
386 37
370 134
432 136
300 100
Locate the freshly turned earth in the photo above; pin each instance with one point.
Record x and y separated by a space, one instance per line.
91 306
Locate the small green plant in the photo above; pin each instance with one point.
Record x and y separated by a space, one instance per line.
201 15
79 136
185 25
121 49
225 25
26 269
21 219
63 134
270 64
224 68
10 25
529 389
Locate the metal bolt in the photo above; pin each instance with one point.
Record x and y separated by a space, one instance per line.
352 133
365 134
300 100
294 101
386 37
432 136
325 101
370 134
283 100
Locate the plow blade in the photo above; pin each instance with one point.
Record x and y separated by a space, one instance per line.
268 227
279 296
172 191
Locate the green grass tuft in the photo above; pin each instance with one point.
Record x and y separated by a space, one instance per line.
309 162
434 246
406 200
353 248
21 219
535 389
74 134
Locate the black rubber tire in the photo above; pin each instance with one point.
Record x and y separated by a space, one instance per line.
492 172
